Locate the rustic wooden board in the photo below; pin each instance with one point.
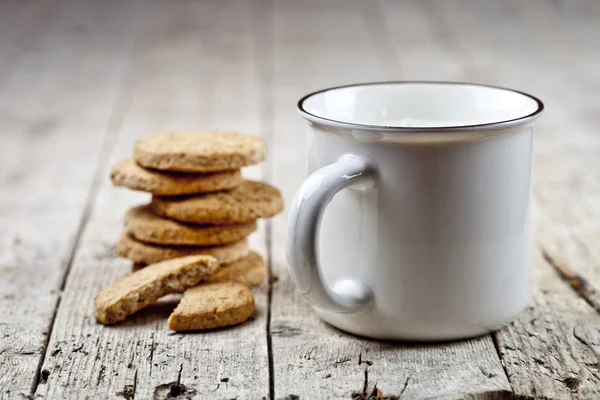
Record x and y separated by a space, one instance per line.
567 189
17 19
568 235
550 351
311 359
181 65
73 99
49 136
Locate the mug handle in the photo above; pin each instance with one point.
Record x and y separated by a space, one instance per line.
304 220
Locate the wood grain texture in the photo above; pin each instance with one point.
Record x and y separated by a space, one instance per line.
17 21
567 189
551 350
311 359
49 155
74 98
179 82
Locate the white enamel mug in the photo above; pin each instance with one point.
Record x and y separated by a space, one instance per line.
414 223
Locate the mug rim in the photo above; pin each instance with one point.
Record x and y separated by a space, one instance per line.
391 128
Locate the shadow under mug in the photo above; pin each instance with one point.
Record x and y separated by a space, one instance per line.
414 223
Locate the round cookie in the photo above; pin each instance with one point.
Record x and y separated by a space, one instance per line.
247 202
144 225
250 271
141 252
129 174
212 305
199 151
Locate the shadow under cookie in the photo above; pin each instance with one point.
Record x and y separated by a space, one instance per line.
147 253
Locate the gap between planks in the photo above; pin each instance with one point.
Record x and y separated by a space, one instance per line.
178 110
116 118
38 119
270 285
577 282
262 18
316 360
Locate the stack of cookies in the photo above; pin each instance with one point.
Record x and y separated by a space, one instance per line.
203 306
201 205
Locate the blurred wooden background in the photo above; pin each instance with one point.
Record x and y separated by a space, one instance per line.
80 81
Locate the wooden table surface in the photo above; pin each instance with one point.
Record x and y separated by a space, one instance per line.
80 81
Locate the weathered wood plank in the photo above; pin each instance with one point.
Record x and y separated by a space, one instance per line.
568 194
311 359
50 137
196 67
15 22
568 185
551 350
420 42
186 77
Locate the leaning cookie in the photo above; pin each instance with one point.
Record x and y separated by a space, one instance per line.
250 271
247 202
144 225
199 151
139 289
213 305
129 174
146 253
